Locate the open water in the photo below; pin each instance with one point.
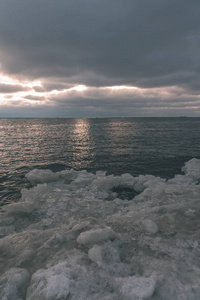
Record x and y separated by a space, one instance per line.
100 209
156 146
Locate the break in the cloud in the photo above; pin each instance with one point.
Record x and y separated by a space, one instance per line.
99 58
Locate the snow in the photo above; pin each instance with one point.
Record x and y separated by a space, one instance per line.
73 236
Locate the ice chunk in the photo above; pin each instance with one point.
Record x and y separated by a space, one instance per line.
95 254
94 236
50 284
150 226
135 288
68 175
106 254
192 168
81 225
41 176
181 180
20 208
13 284
83 179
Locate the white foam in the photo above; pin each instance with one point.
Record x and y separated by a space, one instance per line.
78 239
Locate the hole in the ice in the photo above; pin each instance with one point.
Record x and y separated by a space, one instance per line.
124 193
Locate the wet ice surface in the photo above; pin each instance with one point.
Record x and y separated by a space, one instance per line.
75 235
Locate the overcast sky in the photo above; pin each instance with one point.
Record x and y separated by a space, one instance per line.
96 58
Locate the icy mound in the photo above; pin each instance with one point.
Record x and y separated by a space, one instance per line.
77 236
192 169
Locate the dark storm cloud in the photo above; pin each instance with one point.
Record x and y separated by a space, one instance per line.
98 43
12 88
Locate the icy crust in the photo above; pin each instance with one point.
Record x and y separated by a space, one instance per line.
75 236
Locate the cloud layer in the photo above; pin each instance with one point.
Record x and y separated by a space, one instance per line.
151 45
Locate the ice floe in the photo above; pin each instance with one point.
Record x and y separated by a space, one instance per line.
82 236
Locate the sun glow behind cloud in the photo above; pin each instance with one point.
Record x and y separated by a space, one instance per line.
43 93
31 95
37 97
6 80
79 88
9 80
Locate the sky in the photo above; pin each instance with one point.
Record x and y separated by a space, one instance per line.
99 58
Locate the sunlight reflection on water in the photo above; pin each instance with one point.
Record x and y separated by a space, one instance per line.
157 146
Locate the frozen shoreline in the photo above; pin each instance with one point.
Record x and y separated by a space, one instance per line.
73 236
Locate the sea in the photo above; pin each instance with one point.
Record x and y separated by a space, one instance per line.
100 208
154 146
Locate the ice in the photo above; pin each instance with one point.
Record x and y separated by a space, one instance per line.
6 230
192 169
13 284
95 254
73 236
135 288
50 284
81 226
150 226
104 255
95 236
41 176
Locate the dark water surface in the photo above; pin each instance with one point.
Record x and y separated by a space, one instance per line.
156 146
